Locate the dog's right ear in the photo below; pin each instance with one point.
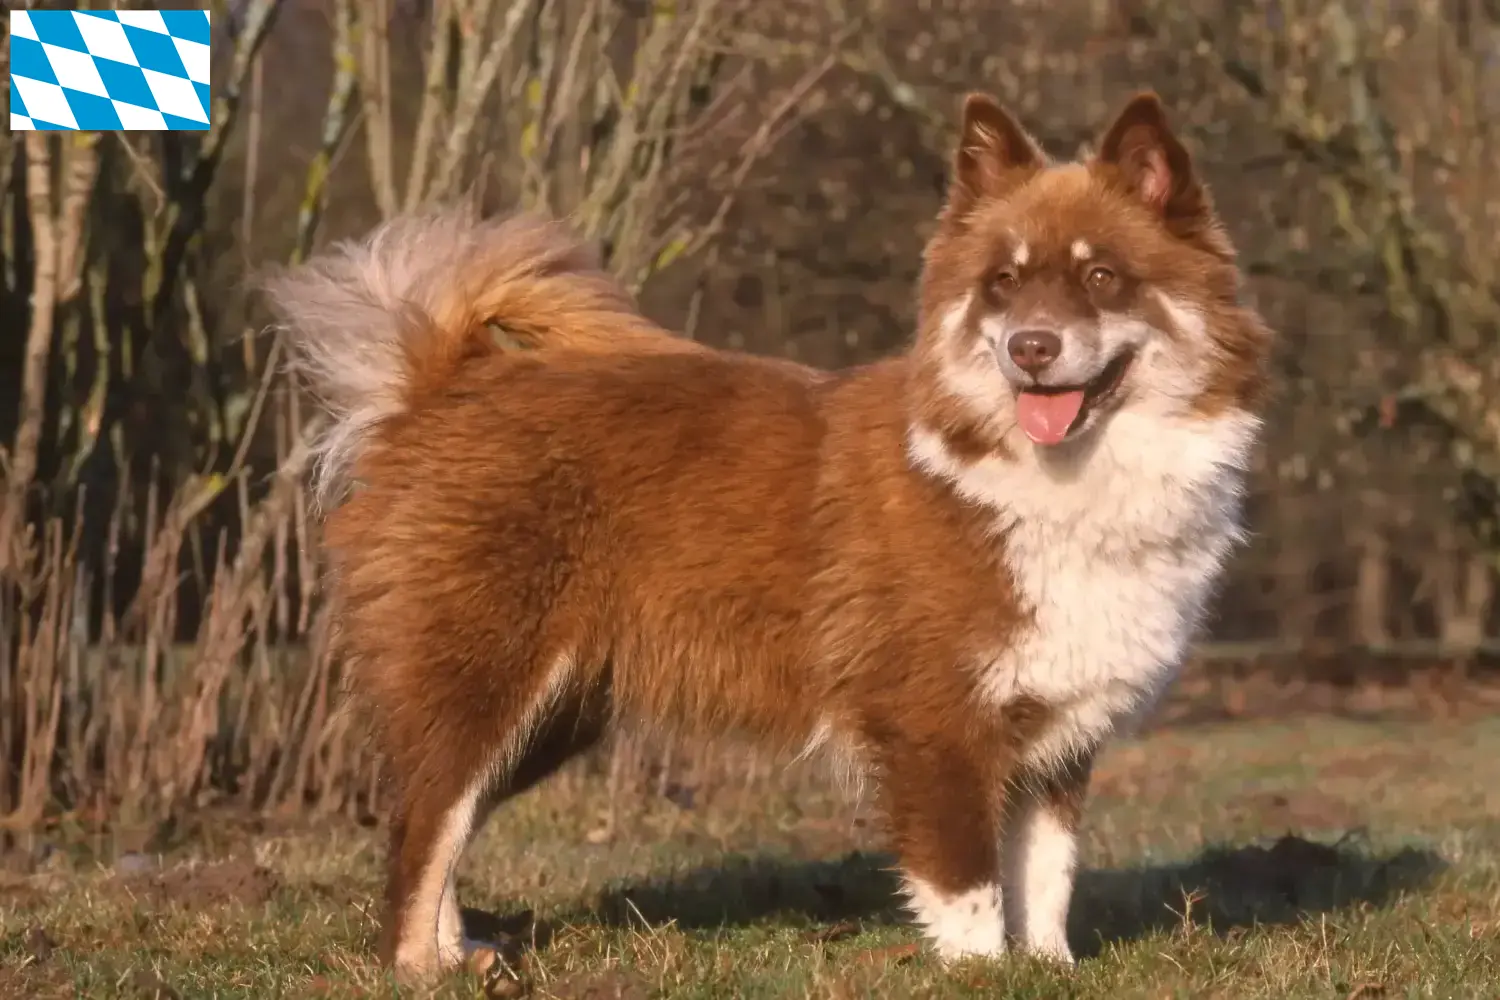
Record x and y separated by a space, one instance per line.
994 155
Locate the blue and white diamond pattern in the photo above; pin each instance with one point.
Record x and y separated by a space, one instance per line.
96 71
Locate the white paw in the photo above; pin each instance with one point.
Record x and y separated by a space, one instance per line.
1053 948
960 926
418 964
417 969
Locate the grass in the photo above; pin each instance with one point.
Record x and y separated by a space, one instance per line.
1280 859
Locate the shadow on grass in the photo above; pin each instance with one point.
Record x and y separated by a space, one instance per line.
1223 889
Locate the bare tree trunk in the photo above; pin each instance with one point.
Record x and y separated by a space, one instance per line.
1294 601
23 455
1372 588
58 241
1463 585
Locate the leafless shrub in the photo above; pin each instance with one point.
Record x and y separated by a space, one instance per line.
117 700
161 638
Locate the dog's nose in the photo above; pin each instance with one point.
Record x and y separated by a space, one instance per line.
1034 350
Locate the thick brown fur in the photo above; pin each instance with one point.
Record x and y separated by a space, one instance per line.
615 526
404 310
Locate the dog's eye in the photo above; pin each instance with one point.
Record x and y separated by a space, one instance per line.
1100 278
1005 282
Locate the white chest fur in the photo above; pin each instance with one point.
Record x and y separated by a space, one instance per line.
1115 545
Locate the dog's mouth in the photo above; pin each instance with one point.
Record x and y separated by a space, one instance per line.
1048 414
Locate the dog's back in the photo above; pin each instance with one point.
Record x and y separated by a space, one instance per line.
537 528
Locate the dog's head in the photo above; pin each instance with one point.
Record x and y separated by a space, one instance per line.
1056 294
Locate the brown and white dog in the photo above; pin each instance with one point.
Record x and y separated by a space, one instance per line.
959 569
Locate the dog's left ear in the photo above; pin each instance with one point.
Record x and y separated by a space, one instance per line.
1153 163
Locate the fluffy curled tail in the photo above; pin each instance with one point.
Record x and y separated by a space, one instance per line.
372 324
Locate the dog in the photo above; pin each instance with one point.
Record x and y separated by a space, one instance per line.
959 569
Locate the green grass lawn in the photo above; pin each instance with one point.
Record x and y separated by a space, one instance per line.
1308 858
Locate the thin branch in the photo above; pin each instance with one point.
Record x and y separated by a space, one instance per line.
439 52
770 130
471 98
335 125
185 212
375 95
77 189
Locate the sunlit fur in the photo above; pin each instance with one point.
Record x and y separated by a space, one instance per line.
548 517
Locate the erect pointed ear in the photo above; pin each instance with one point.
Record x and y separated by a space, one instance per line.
994 154
1152 161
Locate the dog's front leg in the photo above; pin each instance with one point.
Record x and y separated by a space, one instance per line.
1040 855
938 794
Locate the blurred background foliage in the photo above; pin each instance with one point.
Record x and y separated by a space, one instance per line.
764 173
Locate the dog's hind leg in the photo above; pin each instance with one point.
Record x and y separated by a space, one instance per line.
452 764
574 727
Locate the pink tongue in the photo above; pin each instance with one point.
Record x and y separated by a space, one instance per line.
1046 417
